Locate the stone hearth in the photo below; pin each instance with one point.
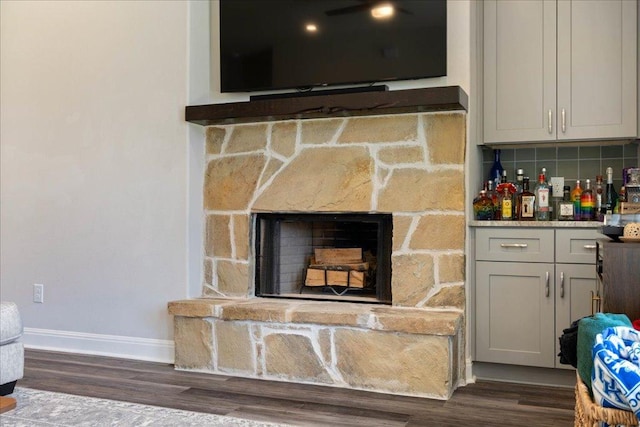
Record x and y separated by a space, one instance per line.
409 165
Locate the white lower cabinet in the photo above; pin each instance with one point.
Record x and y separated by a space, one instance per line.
527 292
514 313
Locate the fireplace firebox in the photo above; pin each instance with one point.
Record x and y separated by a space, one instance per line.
324 256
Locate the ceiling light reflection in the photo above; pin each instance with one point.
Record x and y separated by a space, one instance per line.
382 11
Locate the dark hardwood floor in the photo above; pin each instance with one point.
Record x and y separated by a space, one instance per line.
484 403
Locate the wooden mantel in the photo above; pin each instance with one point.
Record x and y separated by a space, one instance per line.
331 105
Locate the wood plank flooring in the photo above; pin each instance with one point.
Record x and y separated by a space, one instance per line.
484 403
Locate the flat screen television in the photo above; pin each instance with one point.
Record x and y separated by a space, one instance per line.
303 44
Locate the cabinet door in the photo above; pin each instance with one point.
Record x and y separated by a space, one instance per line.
574 284
515 313
597 77
519 70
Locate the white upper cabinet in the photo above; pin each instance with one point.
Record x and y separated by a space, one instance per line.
564 70
597 76
519 70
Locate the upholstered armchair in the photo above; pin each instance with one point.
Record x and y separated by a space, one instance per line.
11 348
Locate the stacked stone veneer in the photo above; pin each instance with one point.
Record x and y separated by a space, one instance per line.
410 165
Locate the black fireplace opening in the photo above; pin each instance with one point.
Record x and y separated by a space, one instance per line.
324 256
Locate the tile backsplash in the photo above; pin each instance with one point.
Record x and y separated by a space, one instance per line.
572 163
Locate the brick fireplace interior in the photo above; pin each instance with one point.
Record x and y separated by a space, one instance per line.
407 167
286 264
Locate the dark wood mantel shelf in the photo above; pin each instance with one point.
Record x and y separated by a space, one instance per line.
334 105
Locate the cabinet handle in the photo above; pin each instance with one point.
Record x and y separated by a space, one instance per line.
562 284
550 126
589 246
546 288
513 245
564 121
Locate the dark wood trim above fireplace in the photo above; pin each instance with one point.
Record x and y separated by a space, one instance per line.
337 105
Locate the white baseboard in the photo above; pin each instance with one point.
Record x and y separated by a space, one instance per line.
148 349
469 372
556 377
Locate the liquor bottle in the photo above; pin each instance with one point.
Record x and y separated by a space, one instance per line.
565 210
542 199
496 169
622 197
506 199
493 195
543 171
610 196
519 179
518 184
587 202
556 199
483 206
598 192
504 178
575 198
506 205
526 202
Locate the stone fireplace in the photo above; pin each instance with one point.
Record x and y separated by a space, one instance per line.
407 165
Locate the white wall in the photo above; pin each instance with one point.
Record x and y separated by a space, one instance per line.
94 167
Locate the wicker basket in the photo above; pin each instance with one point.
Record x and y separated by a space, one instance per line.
590 414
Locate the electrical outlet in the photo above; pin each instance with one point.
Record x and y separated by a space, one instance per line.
38 293
557 182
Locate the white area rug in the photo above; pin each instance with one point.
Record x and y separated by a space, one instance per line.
38 408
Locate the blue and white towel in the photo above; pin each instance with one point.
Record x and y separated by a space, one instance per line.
615 380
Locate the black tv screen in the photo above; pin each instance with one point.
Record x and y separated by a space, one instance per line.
302 44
